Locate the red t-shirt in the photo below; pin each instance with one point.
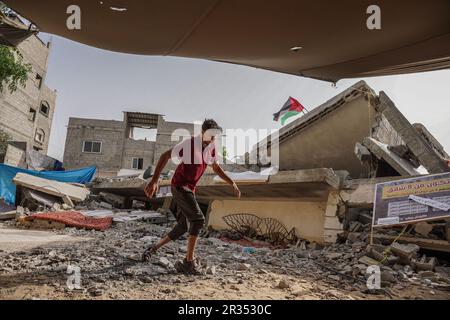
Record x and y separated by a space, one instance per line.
194 161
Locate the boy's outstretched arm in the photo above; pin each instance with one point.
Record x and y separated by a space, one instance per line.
152 186
219 171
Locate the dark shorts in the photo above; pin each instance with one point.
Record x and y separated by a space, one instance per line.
188 213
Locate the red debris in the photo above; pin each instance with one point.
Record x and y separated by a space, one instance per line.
74 219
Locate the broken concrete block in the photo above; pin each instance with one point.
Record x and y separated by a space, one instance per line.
406 252
211 270
355 226
333 255
115 200
283 284
56 207
68 202
379 256
164 262
353 237
362 153
423 228
105 205
243 266
388 276
423 266
66 207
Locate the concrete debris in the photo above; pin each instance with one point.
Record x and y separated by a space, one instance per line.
115 200
283 284
8 215
51 187
423 264
106 264
423 229
406 252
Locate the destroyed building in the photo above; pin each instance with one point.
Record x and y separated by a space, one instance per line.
26 115
330 160
113 145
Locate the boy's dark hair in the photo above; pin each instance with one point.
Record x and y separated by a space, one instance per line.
210 124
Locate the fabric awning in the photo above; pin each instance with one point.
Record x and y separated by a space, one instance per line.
335 41
13 32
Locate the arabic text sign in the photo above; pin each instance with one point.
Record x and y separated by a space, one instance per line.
411 200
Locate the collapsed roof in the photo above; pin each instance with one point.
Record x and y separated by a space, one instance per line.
319 39
333 134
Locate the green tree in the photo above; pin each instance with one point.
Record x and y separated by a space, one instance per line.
4 138
13 70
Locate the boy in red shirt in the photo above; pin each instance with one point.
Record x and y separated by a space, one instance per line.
196 154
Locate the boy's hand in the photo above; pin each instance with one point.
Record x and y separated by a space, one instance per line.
236 190
150 189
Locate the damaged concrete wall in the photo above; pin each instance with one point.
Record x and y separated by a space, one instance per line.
138 149
330 142
118 149
307 218
383 131
15 157
109 133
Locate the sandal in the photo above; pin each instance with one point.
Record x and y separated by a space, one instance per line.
149 253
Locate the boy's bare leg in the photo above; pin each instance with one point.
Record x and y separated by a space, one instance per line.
192 242
162 242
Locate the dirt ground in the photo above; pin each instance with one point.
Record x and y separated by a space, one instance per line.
40 272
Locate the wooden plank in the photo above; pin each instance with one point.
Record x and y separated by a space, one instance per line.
55 188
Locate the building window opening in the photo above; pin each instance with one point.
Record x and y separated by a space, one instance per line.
40 136
137 164
45 108
38 80
92 147
32 114
145 134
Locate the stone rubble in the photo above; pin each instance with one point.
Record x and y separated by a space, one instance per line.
112 257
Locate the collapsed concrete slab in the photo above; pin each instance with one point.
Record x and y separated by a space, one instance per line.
55 188
382 152
326 137
427 155
297 198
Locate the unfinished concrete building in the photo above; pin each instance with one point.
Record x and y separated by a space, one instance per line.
26 115
116 145
330 161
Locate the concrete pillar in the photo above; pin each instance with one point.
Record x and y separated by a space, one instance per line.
332 226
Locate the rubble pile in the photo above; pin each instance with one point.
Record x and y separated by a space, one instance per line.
111 260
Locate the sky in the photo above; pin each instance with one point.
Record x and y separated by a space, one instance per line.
93 83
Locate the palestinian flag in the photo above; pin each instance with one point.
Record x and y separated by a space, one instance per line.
291 108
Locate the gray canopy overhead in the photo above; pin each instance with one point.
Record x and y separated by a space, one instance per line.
13 31
334 39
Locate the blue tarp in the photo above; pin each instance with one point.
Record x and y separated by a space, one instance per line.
8 188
